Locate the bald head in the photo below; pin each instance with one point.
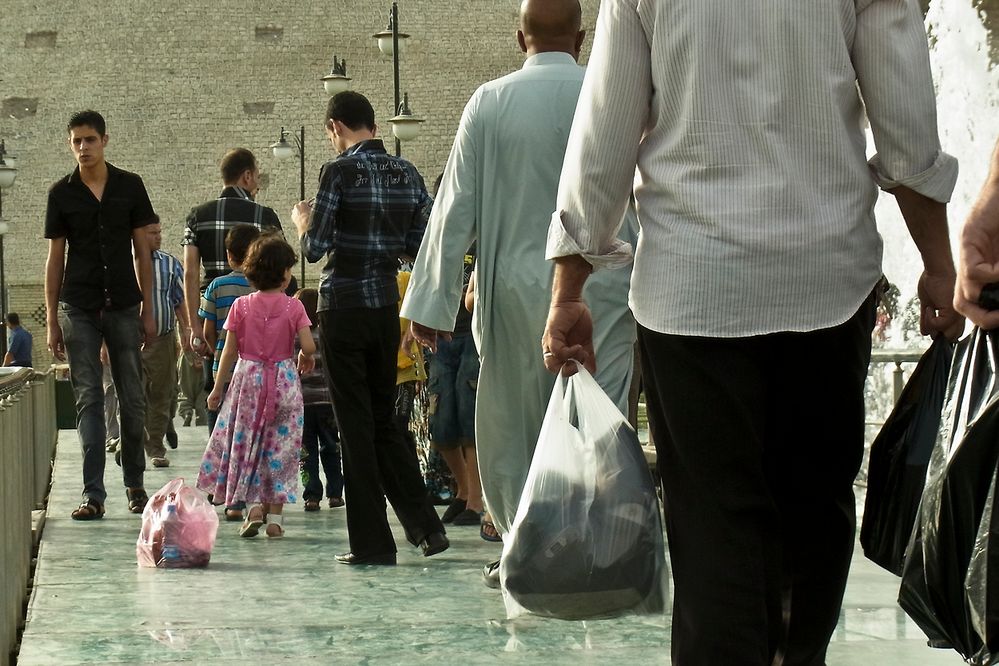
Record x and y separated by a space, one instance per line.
551 25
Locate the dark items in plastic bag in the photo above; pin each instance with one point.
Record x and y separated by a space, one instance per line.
948 587
178 529
587 541
599 561
899 457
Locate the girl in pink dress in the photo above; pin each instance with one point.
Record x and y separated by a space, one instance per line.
253 453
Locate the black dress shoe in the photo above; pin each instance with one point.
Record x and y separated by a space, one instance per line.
381 558
434 543
456 507
171 438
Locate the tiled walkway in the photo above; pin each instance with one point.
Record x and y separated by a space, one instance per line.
288 601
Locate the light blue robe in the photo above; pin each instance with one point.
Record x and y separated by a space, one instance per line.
499 188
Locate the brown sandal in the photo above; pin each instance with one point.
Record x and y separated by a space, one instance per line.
312 505
137 499
89 510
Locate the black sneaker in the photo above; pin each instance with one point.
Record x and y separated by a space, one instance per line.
171 438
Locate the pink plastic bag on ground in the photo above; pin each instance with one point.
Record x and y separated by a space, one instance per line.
178 528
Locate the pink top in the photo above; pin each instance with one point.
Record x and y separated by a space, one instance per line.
266 325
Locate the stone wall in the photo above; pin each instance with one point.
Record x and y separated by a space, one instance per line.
180 82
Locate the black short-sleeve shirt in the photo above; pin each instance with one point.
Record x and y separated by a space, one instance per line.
100 273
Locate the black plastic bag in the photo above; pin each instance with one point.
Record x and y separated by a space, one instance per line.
899 457
948 587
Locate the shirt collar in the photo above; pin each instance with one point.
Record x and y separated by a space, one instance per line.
550 58
366 146
113 172
233 192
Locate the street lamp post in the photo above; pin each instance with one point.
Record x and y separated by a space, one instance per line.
405 125
8 172
283 149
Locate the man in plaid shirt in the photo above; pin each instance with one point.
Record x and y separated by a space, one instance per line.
371 211
204 238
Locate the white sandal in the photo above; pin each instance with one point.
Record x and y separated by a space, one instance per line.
275 520
251 526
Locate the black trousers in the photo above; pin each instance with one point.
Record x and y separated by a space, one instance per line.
360 351
758 442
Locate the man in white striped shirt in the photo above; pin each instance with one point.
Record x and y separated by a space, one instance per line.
159 354
757 257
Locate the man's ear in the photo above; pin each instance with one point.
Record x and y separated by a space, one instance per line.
580 37
522 41
104 141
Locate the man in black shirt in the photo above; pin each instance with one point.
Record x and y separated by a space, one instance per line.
98 213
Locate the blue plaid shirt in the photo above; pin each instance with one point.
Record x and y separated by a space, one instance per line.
371 210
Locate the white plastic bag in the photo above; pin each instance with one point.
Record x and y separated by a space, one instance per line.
587 540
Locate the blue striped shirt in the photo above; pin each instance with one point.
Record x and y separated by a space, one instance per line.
168 290
215 304
371 210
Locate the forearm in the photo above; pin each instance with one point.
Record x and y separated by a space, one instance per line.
192 277
144 273
54 269
984 214
182 318
209 334
192 295
8 359
571 273
226 363
926 220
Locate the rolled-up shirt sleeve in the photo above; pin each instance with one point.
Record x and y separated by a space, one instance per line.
599 168
893 70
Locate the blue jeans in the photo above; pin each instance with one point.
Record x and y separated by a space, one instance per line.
320 443
454 376
83 332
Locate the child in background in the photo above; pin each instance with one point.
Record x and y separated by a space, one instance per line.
253 452
320 441
191 384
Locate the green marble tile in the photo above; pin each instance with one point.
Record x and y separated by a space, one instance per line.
284 601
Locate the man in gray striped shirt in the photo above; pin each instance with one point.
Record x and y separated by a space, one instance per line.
739 129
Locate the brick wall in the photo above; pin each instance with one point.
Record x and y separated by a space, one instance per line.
180 82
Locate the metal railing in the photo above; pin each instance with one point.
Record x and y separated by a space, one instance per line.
898 357
27 444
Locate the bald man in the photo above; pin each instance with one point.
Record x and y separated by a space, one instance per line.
499 189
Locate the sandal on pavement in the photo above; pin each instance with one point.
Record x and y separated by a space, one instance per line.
488 532
275 526
254 519
88 510
312 505
336 502
137 499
